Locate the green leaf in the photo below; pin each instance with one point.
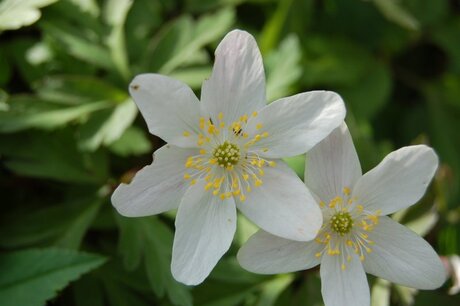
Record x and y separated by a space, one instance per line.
132 142
185 38
32 277
371 92
79 46
283 68
15 14
52 155
271 32
297 163
106 126
130 242
25 112
332 61
393 11
74 89
151 239
157 258
273 288
193 76
380 293
73 235
66 223
115 12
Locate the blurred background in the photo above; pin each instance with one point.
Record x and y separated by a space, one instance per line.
69 134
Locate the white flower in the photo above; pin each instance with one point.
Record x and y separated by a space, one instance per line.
225 152
356 235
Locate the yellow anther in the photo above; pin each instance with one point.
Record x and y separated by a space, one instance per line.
265 150
236 192
361 257
186 176
265 134
222 196
254 114
349 243
202 151
193 182
318 255
257 137
245 135
213 161
242 198
211 129
322 204
343 267
259 126
220 116
222 125
208 186
186 133
360 208
215 192
248 189
230 167
258 183
245 176
272 163
346 191
261 172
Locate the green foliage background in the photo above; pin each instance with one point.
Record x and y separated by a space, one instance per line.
69 133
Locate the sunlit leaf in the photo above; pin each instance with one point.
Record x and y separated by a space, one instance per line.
32 277
15 14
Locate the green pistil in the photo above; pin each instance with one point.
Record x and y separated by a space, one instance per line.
227 154
341 223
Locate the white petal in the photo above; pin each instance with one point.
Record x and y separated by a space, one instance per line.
156 188
297 123
399 181
401 256
264 253
332 165
169 108
237 83
283 206
347 287
205 226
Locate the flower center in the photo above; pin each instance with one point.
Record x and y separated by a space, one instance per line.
227 160
227 154
341 223
347 228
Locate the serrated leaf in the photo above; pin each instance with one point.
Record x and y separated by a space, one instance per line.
15 14
32 277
